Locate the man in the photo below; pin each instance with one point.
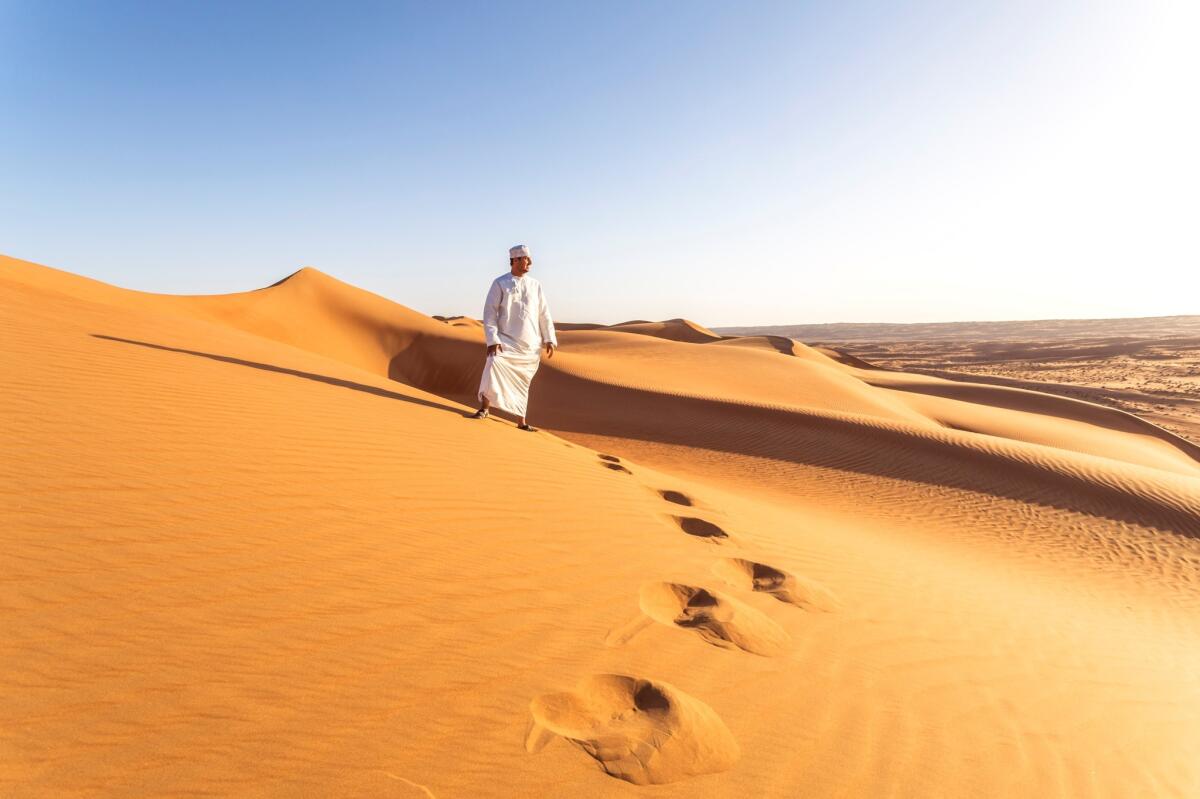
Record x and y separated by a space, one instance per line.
516 326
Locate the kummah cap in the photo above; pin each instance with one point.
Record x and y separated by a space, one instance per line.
520 251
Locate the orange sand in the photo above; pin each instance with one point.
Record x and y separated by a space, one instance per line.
254 548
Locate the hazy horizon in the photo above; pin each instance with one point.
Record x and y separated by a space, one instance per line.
769 164
868 322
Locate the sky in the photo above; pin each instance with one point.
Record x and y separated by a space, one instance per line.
734 163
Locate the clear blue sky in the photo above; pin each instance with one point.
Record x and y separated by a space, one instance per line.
734 163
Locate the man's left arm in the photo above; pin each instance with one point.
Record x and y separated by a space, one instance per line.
546 323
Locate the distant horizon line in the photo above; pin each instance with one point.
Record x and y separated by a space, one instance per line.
714 328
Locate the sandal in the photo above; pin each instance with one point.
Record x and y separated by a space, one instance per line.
528 427
482 413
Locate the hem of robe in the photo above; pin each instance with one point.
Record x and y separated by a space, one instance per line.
506 378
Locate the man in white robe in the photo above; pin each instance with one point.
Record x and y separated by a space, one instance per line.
517 327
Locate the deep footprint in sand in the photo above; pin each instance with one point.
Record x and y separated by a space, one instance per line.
643 731
720 620
613 462
700 528
678 497
784 586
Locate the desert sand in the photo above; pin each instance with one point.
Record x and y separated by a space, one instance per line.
1148 366
254 548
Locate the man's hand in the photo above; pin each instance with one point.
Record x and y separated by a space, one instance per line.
549 350
494 348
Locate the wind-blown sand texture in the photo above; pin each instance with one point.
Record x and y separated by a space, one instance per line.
253 547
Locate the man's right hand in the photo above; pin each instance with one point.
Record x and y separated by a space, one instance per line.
494 348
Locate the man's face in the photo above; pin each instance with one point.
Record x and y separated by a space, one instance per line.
520 265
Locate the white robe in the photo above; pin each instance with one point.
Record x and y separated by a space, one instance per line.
517 317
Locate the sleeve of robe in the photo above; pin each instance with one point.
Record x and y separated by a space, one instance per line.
491 314
545 323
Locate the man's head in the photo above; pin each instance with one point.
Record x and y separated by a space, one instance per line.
519 260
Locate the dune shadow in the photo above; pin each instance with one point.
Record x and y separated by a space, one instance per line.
267 367
845 445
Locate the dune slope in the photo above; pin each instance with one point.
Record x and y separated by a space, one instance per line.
254 548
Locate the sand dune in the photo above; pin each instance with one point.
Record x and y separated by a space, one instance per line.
672 330
256 549
1155 375
459 321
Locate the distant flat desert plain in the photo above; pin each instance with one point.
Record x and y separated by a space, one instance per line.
254 546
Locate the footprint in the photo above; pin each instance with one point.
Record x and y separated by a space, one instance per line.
613 462
678 497
783 586
642 731
700 528
718 619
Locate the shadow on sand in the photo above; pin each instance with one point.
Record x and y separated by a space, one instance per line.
267 367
